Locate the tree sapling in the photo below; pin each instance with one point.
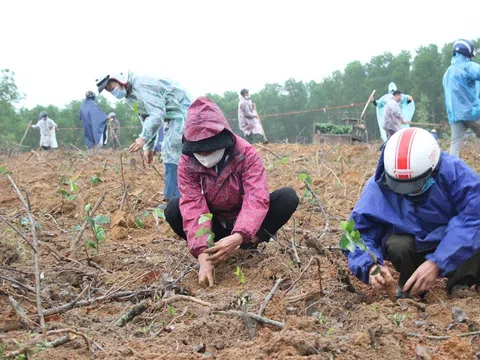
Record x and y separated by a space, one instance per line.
206 230
351 240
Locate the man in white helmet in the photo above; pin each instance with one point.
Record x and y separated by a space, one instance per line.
420 211
156 101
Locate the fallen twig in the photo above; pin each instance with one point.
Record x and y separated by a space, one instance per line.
36 252
371 333
301 275
446 337
269 296
24 320
158 172
296 259
419 306
255 317
144 305
270 151
162 241
85 223
23 236
314 194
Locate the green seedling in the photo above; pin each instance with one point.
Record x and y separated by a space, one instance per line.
206 230
70 196
171 310
3 171
322 319
98 231
96 179
307 180
351 240
398 319
330 332
139 219
240 275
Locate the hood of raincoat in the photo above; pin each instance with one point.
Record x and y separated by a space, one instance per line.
204 120
462 89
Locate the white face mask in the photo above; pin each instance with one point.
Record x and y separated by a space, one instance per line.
210 160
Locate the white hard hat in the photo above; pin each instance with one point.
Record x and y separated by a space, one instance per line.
392 87
103 79
112 115
411 156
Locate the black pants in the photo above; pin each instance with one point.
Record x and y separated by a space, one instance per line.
404 257
283 203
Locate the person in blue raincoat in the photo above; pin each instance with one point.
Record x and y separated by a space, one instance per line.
157 101
420 211
94 121
461 85
407 107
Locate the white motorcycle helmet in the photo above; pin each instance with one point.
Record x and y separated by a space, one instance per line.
410 157
103 79
392 87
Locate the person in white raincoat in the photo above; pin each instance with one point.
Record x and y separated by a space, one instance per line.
154 100
47 126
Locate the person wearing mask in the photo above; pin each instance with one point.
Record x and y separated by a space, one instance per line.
223 175
461 86
156 101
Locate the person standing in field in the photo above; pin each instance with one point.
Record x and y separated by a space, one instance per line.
94 122
156 101
47 126
248 119
392 117
461 85
114 126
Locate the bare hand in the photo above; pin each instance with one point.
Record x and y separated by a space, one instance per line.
148 156
205 274
223 248
410 98
377 282
371 99
137 145
422 279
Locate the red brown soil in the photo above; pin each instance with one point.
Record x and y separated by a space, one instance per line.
133 259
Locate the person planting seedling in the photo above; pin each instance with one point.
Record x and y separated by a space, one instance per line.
420 211
223 187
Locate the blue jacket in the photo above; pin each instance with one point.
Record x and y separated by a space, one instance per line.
446 218
93 120
461 86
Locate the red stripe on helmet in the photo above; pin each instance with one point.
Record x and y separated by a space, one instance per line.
402 156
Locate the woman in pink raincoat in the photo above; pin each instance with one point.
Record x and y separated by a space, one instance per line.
222 174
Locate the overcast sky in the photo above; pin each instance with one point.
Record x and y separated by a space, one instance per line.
57 48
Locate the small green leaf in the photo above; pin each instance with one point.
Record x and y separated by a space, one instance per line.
63 180
39 226
139 223
102 219
64 193
305 178
171 310
346 244
242 277
71 197
88 207
3 170
144 214
211 240
202 231
100 234
95 180
283 160
24 221
376 271
237 271
159 213
90 222
306 193
91 244
205 218
347 225
73 186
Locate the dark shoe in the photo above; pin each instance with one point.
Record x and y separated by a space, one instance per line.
462 292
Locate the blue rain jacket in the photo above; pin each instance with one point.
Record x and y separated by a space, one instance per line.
461 86
94 122
446 218
159 101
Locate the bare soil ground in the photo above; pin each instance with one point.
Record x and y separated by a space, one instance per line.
322 319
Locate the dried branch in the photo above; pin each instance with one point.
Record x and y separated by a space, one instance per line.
301 275
36 252
314 194
255 317
446 337
24 320
296 258
269 296
158 172
23 236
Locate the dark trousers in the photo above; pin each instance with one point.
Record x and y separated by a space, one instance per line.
283 203
404 257
254 138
